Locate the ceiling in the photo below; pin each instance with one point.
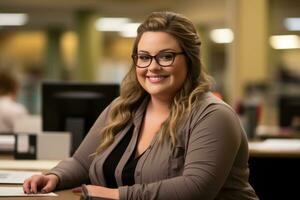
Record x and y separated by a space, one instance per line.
44 14
62 13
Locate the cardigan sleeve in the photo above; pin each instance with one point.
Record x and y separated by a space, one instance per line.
214 140
74 171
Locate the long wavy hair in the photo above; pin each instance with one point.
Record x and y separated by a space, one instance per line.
132 94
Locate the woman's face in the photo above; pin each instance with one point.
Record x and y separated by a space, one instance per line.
158 81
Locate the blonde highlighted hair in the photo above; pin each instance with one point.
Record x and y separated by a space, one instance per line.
132 94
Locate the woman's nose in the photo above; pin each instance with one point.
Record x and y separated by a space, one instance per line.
154 66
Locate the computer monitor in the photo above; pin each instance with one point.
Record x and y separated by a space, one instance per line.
289 111
74 106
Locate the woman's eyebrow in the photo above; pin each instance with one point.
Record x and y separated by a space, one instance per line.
167 49
162 50
142 51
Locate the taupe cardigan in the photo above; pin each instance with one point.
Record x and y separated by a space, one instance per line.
210 160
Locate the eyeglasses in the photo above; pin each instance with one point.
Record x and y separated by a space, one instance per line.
164 59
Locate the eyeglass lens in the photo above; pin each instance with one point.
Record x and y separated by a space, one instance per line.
163 59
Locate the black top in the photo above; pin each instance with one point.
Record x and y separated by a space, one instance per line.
113 159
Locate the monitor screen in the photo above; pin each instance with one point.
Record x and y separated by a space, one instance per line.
289 111
74 107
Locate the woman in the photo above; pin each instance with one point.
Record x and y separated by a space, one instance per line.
166 136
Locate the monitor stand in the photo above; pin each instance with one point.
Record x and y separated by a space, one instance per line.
76 127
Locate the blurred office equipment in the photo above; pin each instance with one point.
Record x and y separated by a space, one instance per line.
43 146
28 124
7 142
289 112
251 107
53 145
249 112
289 96
25 146
74 107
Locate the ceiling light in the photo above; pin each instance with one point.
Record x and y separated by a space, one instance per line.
111 24
122 25
13 19
223 35
285 41
292 23
130 30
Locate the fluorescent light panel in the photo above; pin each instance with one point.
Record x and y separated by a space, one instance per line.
223 35
122 25
130 30
111 24
285 41
292 23
13 19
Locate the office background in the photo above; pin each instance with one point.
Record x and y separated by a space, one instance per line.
60 40
250 47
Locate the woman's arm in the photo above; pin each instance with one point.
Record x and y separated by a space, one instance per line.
100 192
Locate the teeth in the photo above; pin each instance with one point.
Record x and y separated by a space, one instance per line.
156 78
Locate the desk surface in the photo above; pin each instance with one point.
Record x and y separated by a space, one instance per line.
288 148
275 148
45 165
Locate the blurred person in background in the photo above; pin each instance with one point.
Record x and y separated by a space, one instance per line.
10 109
166 136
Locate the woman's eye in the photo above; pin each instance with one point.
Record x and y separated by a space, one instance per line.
144 57
166 56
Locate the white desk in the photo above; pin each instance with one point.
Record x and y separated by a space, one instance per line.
275 148
39 165
7 162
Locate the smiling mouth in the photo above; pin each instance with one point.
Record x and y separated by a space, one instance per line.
155 79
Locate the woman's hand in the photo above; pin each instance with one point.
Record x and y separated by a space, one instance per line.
44 183
103 192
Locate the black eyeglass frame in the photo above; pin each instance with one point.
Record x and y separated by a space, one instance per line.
135 58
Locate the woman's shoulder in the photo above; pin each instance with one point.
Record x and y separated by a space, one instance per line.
209 100
209 104
216 114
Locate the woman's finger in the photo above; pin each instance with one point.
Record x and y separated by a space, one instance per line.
48 187
26 186
34 184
